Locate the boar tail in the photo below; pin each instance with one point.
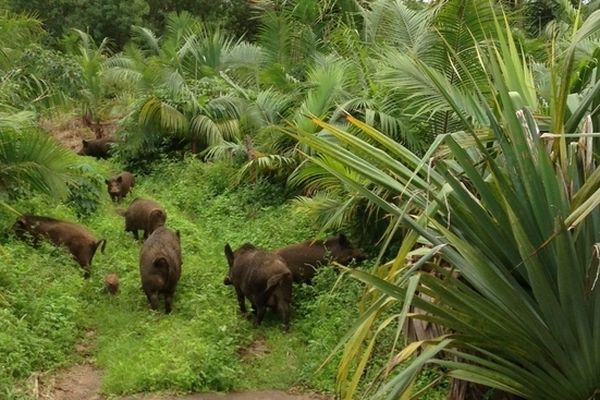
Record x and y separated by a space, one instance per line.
277 280
162 264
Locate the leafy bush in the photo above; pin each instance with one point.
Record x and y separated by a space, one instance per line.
57 69
86 192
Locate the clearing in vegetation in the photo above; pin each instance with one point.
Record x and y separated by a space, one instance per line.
56 318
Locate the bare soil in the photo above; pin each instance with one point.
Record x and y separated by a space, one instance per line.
83 382
258 395
256 349
79 382
71 131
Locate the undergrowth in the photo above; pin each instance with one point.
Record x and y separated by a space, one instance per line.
46 307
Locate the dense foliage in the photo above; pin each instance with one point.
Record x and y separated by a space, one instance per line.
113 19
460 132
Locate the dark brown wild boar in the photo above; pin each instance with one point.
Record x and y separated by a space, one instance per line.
118 186
99 148
160 266
80 242
143 214
263 278
304 258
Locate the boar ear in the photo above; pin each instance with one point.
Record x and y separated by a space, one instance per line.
156 215
119 179
229 255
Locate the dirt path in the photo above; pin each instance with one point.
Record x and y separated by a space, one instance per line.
259 395
83 382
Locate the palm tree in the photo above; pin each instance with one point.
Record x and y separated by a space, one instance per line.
31 160
91 58
513 211
178 78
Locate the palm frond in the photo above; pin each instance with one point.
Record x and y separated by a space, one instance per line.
510 217
265 164
146 39
156 113
327 210
225 151
394 24
34 161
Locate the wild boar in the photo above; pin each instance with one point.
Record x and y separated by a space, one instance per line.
99 148
304 258
111 283
118 186
143 214
160 266
80 242
263 278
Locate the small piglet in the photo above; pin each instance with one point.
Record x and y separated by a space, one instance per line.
118 186
263 278
80 242
99 148
111 283
160 266
143 214
304 258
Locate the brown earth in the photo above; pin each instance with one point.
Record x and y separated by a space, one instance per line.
258 395
255 349
71 131
83 382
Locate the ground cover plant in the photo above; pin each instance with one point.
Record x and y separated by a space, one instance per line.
204 345
340 101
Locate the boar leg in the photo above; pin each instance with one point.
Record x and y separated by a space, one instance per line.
153 299
284 311
241 300
84 261
260 313
135 234
168 302
145 234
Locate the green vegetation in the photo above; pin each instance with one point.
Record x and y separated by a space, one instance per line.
515 212
456 138
47 307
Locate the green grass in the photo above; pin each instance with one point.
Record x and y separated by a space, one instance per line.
46 306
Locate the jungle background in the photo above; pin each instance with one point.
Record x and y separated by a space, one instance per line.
453 140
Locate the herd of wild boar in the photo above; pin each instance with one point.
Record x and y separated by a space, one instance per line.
263 277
